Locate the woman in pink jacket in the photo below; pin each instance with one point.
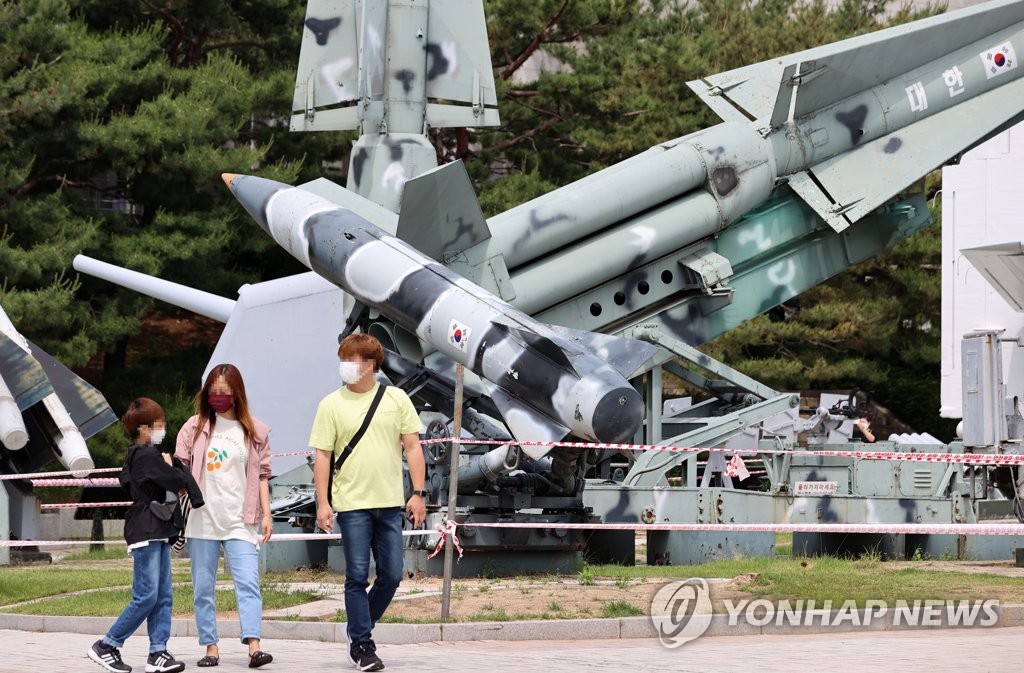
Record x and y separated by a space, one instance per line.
228 453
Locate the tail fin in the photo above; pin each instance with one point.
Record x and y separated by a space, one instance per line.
58 409
1002 265
459 67
526 423
540 344
626 356
344 54
84 403
440 214
22 373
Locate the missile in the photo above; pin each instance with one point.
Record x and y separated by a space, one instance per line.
546 381
46 410
847 126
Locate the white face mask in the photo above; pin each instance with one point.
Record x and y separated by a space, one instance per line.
350 372
157 436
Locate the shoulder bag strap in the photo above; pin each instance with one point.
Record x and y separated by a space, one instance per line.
337 462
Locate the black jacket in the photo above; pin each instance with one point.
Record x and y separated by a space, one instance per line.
147 477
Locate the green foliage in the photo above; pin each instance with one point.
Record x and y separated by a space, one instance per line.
118 119
615 609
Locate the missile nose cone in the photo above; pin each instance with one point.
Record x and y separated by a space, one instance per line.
253 193
618 416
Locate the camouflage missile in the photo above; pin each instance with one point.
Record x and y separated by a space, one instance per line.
847 126
546 381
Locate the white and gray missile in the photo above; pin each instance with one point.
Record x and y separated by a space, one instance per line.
13 434
547 381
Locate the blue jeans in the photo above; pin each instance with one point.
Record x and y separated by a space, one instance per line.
365 532
243 560
151 598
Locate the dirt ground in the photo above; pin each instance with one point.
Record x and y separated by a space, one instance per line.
542 598
1003 568
565 597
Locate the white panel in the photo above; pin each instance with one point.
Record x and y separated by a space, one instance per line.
981 206
283 337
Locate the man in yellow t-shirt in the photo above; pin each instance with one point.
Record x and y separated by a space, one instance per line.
367 491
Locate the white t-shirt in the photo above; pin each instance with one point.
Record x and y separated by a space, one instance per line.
223 485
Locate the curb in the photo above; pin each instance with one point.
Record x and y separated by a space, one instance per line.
813 622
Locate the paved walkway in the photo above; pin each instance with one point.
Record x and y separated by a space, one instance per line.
924 651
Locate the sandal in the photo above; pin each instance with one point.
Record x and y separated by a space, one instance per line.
208 661
259 658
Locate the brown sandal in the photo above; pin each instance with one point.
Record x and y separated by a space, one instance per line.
260 658
208 661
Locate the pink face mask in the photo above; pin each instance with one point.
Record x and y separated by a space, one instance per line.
221 403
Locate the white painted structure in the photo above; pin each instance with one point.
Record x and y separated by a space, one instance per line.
982 206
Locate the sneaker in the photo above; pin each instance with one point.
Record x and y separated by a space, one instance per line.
108 657
364 658
163 662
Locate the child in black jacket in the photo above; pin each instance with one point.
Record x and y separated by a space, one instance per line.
147 475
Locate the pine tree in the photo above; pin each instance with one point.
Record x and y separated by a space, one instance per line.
119 119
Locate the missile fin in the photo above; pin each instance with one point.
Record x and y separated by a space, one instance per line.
859 181
84 403
342 57
740 95
327 79
1002 265
540 344
626 356
526 423
440 214
459 66
810 191
23 374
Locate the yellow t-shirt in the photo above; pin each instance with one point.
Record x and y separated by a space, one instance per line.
372 475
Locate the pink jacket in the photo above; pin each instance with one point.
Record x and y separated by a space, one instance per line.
257 467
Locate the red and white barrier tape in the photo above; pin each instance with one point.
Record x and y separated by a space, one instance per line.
333 537
83 505
282 537
966 458
65 473
108 481
447 529
849 528
54 543
293 453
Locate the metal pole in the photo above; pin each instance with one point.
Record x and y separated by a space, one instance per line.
453 490
97 529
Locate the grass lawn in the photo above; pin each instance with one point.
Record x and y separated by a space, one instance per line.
98 584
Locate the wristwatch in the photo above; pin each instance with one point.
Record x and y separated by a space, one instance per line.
422 494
